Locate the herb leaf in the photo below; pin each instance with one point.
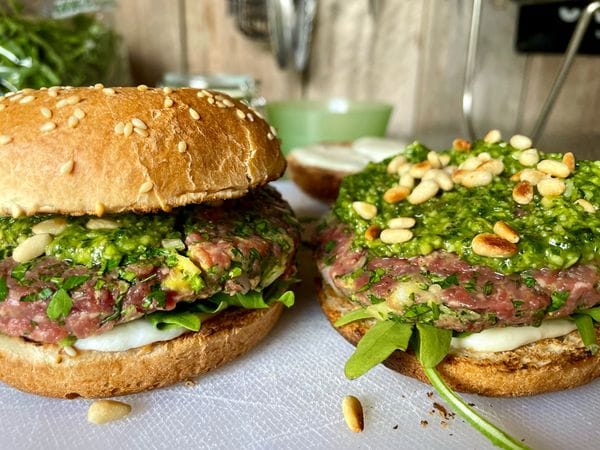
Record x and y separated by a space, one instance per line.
3 289
167 320
432 344
60 305
559 298
489 430
594 313
74 281
376 345
352 316
449 281
586 329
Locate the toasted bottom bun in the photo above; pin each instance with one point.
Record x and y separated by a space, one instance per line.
544 366
320 183
47 370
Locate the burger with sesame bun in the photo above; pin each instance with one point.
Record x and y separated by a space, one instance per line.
140 245
475 268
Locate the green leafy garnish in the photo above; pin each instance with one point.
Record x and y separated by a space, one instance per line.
167 320
74 281
60 305
3 289
488 288
68 341
559 298
376 345
449 281
594 313
432 344
587 331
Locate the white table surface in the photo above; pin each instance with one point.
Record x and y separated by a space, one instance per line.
287 392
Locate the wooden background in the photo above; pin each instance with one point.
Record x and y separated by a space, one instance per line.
411 53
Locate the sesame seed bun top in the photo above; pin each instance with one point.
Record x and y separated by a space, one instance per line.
107 150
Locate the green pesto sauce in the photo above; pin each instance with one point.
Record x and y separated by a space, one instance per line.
554 233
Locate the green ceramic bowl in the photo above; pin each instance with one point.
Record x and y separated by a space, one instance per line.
303 122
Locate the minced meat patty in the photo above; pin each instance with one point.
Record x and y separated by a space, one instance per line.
241 245
441 289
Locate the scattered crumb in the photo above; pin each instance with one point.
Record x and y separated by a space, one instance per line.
451 434
403 396
444 424
189 383
430 394
395 427
471 404
441 409
424 423
432 412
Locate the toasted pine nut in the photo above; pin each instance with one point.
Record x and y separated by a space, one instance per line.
423 192
587 206
103 411
554 168
494 166
51 226
461 144
516 176
458 175
407 180
551 187
445 160
395 235
492 137
402 222
492 246
101 224
372 232
100 208
533 176
393 165
365 210
476 178
353 413
484 156
396 194
523 193
449 170
403 168
31 248
569 160
520 142
471 163
419 169
440 177
505 231
529 157
434 160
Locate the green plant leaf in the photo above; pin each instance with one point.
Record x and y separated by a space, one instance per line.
587 331
353 316
165 320
3 289
432 344
376 345
594 313
60 305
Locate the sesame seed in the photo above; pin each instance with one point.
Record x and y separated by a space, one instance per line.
5 139
16 97
72 121
79 113
146 187
52 93
142 87
27 91
221 104
128 129
62 103
168 102
219 97
141 132
108 91
167 90
16 211
43 88
100 208
53 88
98 86
2 107
270 136
181 146
201 93
27 99
194 114
228 102
240 113
73 99
46 113
119 127
70 351
67 167
139 123
9 94
259 115
48 126
210 100
273 131
250 117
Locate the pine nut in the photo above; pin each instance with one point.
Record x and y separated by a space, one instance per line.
533 176
119 128
393 165
434 160
395 235
372 232
101 224
461 145
5 139
554 168
146 187
402 222
529 157
407 180
505 231
396 194
492 137
569 160
520 142
476 178
423 192
440 177
419 169
404 168
353 413
139 123
445 160
551 187
484 156
523 193
471 163
103 411
128 129
450 169
587 206
51 226
31 248
365 210
492 246
494 166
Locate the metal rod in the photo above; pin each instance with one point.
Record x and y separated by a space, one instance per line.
467 98
580 29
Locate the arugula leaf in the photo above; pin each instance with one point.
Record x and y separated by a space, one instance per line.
594 313
586 329
165 320
376 345
489 430
3 289
449 281
250 300
352 316
19 271
74 281
432 344
287 298
68 341
60 305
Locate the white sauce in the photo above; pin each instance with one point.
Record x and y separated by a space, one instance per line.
136 333
510 338
346 158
